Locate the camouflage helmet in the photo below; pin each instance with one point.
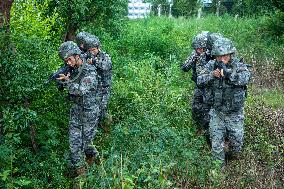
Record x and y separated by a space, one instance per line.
223 46
212 37
92 42
199 41
80 37
67 49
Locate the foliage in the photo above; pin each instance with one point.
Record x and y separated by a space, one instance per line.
241 7
274 26
184 8
152 142
25 74
28 59
104 15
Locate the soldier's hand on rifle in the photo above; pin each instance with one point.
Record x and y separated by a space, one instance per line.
217 73
90 60
63 77
195 58
226 73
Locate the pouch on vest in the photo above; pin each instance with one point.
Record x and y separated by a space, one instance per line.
239 99
207 95
218 95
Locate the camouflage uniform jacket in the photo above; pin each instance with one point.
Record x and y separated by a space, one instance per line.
83 85
196 63
226 94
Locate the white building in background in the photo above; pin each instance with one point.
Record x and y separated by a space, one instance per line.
206 3
138 9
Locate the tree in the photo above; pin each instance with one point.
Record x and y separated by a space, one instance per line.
184 7
5 8
260 7
76 13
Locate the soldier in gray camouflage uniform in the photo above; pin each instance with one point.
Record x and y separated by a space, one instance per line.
202 45
85 112
80 40
104 68
227 77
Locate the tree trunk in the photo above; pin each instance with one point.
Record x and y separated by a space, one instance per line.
5 9
71 33
218 5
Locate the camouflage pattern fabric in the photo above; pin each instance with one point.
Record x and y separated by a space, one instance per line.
227 96
226 124
199 108
84 113
223 46
211 38
92 41
195 62
103 64
104 68
83 38
199 41
67 49
201 99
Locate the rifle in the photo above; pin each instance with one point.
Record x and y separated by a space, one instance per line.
63 70
188 65
221 66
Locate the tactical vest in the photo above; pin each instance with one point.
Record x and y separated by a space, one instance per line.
229 98
86 100
200 61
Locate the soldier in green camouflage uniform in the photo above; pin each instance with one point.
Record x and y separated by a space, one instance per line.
85 111
103 63
202 45
227 77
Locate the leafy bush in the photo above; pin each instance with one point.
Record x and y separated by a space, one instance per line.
274 26
151 142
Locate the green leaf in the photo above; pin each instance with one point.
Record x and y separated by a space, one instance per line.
5 175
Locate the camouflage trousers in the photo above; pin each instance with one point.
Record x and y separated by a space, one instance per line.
226 125
200 110
82 129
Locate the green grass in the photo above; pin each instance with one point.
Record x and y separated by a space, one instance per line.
273 98
152 142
